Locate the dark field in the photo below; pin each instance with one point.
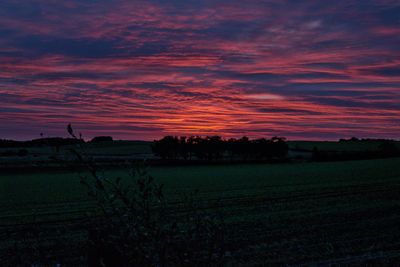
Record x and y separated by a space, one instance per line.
297 213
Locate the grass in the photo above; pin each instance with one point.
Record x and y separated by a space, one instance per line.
21 192
301 213
348 146
102 148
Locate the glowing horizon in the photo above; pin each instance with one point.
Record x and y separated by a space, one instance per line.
145 69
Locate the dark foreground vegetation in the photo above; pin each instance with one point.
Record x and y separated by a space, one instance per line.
296 213
301 214
130 225
138 227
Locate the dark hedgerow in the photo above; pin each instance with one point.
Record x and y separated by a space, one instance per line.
138 227
213 148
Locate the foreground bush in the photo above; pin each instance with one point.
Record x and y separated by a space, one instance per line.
137 227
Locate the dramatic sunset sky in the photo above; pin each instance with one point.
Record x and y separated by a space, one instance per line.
145 69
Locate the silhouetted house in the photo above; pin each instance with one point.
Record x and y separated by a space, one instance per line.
99 139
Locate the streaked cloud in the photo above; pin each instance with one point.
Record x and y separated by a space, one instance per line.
144 69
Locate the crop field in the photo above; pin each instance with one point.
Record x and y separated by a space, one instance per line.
348 146
298 213
46 154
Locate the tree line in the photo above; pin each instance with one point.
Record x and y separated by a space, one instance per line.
51 141
356 139
386 149
216 148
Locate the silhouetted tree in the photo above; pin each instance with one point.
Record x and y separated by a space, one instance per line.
167 147
215 148
183 148
280 148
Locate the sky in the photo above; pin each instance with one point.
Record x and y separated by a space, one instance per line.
310 70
